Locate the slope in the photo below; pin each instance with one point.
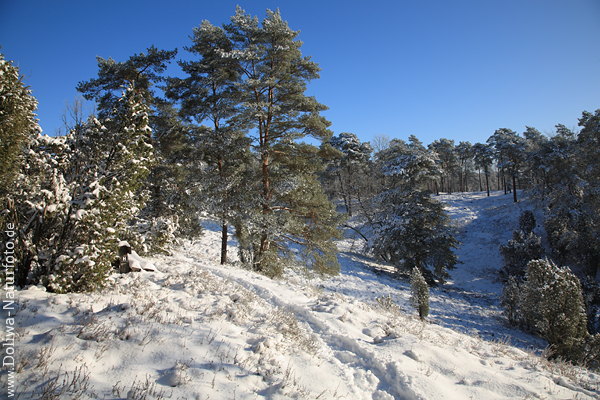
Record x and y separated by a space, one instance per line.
197 330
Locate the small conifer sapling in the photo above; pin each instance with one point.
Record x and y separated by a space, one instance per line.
419 293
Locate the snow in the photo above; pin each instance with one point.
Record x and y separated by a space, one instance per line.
199 330
137 263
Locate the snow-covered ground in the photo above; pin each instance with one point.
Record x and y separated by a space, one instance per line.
198 330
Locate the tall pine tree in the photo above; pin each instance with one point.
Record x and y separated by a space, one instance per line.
210 93
291 205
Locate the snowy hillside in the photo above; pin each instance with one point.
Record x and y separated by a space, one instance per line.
197 330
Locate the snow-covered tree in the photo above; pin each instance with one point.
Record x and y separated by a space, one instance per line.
350 167
419 293
535 142
524 246
78 196
18 125
552 305
410 229
139 72
409 166
172 210
41 204
527 221
588 165
552 161
137 76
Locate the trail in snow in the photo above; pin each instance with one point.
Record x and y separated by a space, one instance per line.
483 224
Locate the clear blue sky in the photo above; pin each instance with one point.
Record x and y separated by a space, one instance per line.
457 69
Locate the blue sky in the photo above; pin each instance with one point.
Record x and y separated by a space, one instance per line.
456 69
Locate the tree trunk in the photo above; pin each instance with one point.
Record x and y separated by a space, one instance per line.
349 187
514 187
498 179
487 183
224 243
266 208
345 196
224 211
265 242
479 175
366 212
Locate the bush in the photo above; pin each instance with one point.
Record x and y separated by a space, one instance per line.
591 352
552 306
527 221
510 300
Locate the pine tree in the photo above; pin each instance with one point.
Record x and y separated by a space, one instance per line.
535 142
171 210
409 166
78 195
484 158
292 206
464 153
140 72
124 93
210 93
510 154
419 293
448 162
588 165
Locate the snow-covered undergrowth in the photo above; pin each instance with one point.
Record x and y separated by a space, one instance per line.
198 330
